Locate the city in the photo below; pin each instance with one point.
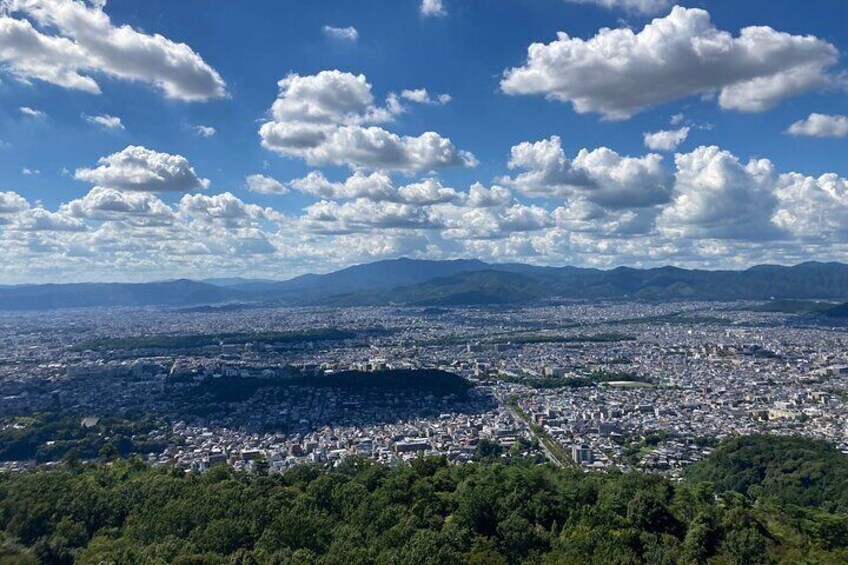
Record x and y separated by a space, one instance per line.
607 385
423 282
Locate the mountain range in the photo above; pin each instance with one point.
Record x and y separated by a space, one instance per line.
445 283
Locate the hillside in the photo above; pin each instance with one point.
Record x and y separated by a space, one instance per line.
454 283
493 286
87 295
840 311
428 512
784 470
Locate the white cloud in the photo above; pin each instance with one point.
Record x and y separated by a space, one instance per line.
265 185
433 8
363 215
343 33
601 176
31 112
327 119
105 121
618 73
223 207
813 208
205 131
427 192
30 172
139 168
717 197
481 197
494 222
140 208
666 140
820 125
377 187
636 6
11 203
422 96
41 220
65 42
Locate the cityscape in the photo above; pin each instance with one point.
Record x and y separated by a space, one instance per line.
599 385
423 282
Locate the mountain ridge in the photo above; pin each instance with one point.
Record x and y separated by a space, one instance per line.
451 283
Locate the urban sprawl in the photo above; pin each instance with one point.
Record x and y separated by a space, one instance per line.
624 385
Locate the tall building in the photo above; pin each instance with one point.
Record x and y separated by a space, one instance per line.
582 454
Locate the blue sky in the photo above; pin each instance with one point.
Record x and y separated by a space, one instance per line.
746 186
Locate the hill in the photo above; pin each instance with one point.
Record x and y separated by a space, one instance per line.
807 281
453 283
380 275
784 470
427 512
89 295
840 311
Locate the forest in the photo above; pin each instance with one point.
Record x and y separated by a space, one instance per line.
756 500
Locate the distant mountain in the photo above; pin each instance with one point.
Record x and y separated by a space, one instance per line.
840 311
237 281
88 295
450 283
381 275
807 281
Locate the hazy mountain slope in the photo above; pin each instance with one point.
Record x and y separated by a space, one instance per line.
171 293
380 275
806 281
461 282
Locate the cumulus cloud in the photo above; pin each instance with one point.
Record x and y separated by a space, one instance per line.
601 176
11 203
813 209
142 169
364 215
265 185
422 96
433 8
348 33
31 112
328 119
716 196
105 121
205 131
481 197
619 72
428 191
140 208
66 42
820 125
493 222
713 209
41 220
220 207
666 140
635 6
377 187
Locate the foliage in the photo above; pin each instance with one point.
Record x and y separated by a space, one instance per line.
784 470
429 511
183 342
48 436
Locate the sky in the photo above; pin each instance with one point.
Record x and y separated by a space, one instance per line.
156 140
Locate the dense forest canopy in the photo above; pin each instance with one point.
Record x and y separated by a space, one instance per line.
430 512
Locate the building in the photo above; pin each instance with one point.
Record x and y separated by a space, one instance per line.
582 454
